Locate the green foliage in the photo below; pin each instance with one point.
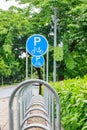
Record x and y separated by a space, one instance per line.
58 53
4 69
73 100
8 39
13 26
16 25
3 30
7 48
69 61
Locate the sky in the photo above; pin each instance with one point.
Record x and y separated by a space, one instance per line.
6 4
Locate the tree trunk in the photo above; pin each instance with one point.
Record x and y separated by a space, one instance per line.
61 69
40 77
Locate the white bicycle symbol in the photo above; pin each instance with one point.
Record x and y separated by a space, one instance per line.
38 64
38 50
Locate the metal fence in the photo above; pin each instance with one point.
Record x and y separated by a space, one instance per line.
27 95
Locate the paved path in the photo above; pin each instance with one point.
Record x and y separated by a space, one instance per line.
4 114
4 121
6 91
4 111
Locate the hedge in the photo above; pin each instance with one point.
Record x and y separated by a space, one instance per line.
73 100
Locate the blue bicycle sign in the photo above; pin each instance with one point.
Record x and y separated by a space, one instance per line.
37 61
37 45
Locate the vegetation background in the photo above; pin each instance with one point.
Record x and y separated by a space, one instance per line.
17 24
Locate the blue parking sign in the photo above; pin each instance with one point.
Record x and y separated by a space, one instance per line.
38 61
37 45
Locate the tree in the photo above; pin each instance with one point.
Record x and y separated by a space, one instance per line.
72 31
12 28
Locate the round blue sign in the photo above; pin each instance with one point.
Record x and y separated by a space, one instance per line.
37 61
37 45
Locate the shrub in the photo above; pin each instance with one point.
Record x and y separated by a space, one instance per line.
73 100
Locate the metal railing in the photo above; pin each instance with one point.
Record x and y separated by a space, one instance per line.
22 101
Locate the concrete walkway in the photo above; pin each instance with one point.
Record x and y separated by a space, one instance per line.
6 91
4 112
4 119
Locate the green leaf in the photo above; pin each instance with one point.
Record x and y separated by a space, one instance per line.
58 53
69 61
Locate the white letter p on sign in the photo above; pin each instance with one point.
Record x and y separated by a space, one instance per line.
36 40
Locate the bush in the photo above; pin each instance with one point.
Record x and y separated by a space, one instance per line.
73 100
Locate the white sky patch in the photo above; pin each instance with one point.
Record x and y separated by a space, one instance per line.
6 4
23 55
34 10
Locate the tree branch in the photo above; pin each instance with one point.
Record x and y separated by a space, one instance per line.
73 45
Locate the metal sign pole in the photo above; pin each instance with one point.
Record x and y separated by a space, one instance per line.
26 65
47 68
44 71
55 42
31 69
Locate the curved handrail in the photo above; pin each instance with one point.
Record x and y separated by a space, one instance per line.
27 83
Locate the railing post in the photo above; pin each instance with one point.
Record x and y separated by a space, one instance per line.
23 92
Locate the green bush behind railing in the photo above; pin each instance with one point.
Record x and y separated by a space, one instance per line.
73 101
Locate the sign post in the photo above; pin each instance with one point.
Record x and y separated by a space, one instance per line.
26 65
37 46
